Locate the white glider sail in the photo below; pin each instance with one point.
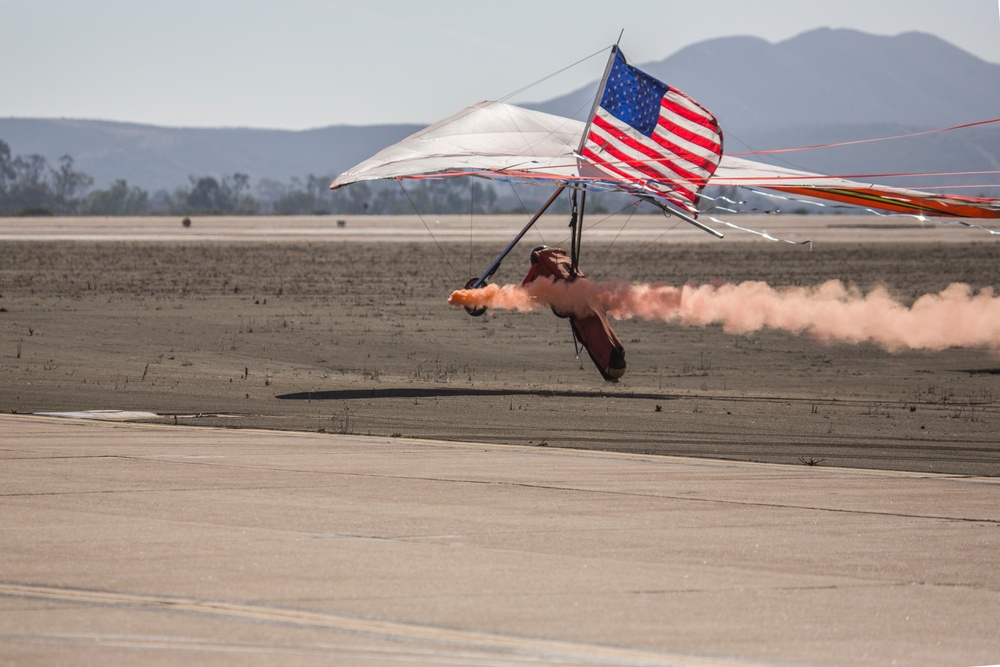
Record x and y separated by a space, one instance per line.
489 139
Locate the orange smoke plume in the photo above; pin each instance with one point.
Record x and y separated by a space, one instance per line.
955 317
567 297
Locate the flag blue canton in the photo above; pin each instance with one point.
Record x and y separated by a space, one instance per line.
633 96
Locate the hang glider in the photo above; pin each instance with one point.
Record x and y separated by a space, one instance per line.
642 138
502 141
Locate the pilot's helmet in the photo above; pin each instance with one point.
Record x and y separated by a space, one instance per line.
535 251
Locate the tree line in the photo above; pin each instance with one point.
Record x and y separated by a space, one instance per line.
30 186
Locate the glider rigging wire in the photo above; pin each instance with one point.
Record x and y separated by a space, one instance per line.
553 74
867 141
427 227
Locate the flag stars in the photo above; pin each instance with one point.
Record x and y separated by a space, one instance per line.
633 96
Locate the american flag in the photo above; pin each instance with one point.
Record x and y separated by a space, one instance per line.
653 136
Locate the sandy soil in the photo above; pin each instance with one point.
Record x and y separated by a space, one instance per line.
298 324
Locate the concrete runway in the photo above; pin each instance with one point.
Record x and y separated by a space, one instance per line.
132 544
126 544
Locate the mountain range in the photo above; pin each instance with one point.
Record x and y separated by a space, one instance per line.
822 86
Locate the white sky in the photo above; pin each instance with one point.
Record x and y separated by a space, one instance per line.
298 64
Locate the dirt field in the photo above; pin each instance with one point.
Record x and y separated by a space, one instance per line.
296 324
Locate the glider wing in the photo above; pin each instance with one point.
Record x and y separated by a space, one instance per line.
748 173
502 141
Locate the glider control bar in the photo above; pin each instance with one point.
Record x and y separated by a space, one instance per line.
506 251
684 216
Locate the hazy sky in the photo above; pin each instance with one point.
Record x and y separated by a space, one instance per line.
298 64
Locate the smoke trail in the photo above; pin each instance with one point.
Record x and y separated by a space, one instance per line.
833 312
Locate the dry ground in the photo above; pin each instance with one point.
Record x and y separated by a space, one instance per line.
354 335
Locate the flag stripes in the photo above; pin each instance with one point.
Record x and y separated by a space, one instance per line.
614 148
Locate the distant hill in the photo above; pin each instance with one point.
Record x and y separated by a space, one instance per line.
155 158
822 86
